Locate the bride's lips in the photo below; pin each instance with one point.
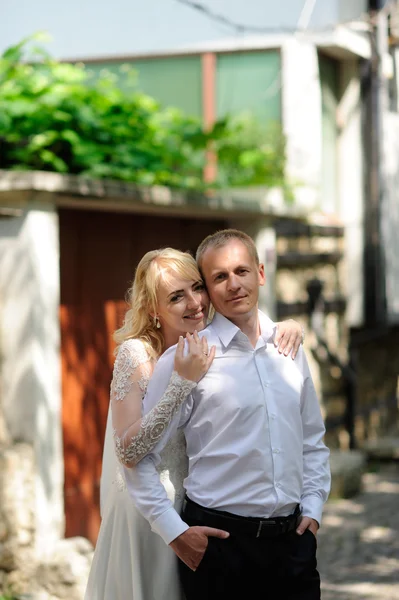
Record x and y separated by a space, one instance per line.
197 316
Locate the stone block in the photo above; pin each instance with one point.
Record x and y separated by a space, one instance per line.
17 471
347 468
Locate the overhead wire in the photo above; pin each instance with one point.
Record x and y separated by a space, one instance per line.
303 22
247 28
301 27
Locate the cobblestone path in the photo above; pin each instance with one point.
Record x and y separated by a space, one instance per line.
358 544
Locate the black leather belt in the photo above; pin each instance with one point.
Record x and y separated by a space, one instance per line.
248 526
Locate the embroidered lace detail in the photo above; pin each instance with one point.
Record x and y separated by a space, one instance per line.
119 450
143 383
173 467
131 354
155 423
119 480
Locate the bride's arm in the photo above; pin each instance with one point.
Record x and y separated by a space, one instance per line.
135 436
289 336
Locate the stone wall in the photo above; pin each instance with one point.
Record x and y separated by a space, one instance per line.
370 357
16 508
307 253
377 402
30 362
22 569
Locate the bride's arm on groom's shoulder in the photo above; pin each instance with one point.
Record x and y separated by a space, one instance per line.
132 371
135 436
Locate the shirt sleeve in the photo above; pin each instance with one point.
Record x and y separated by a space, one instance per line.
316 467
142 481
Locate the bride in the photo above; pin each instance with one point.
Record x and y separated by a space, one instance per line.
167 300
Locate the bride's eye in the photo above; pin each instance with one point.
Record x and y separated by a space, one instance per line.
175 298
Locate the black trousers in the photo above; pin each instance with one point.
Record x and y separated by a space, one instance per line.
249 568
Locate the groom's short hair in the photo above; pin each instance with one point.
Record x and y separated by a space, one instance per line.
223 237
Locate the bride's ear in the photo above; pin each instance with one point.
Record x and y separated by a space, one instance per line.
156 321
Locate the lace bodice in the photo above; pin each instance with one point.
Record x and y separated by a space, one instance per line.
135 437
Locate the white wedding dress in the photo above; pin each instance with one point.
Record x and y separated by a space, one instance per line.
130 561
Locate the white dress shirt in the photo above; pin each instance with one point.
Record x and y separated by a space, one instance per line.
253 429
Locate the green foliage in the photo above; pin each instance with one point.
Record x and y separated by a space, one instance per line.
56 117
251 154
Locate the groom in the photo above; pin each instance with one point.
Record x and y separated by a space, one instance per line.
258 468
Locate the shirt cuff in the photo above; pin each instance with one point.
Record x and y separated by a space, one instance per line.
169 525
312 507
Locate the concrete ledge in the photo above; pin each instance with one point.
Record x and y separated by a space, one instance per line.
347 468
386 448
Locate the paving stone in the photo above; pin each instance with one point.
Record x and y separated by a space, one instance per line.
358 543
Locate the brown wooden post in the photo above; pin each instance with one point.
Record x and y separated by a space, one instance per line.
209 108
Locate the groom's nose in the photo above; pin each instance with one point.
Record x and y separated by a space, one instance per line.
233 282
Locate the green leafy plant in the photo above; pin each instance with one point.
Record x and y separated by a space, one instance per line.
56 117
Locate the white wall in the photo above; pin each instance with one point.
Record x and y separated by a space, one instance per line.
301 116
390 213
350 188
30 355
302 119
92 28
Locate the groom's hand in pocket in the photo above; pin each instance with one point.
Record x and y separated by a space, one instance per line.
191 545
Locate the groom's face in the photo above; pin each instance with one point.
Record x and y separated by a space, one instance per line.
232 278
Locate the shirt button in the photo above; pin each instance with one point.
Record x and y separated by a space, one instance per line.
273 416
265 383
276 450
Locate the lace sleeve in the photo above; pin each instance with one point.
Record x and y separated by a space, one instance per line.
134 436
154 424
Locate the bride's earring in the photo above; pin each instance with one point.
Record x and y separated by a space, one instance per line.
157 323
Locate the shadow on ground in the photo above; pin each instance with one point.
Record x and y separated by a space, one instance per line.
358 545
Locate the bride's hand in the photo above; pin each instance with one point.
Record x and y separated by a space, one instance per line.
290 335
197 361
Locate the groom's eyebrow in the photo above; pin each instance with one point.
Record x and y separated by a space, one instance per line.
218 270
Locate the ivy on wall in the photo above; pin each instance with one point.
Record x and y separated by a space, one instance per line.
54 117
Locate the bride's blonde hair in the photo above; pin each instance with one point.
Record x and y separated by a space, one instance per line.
142 297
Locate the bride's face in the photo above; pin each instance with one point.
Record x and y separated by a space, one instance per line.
183 305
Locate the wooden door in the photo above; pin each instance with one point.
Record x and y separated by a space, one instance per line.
98 255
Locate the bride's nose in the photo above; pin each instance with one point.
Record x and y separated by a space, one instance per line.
194 300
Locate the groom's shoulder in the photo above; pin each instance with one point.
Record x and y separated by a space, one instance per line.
209 332
167 356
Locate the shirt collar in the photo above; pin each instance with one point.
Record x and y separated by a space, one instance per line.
226 330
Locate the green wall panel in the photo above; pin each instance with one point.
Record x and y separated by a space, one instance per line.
173 81
250 82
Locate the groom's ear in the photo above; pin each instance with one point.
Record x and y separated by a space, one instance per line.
262 276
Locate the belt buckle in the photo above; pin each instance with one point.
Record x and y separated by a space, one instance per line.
261 524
